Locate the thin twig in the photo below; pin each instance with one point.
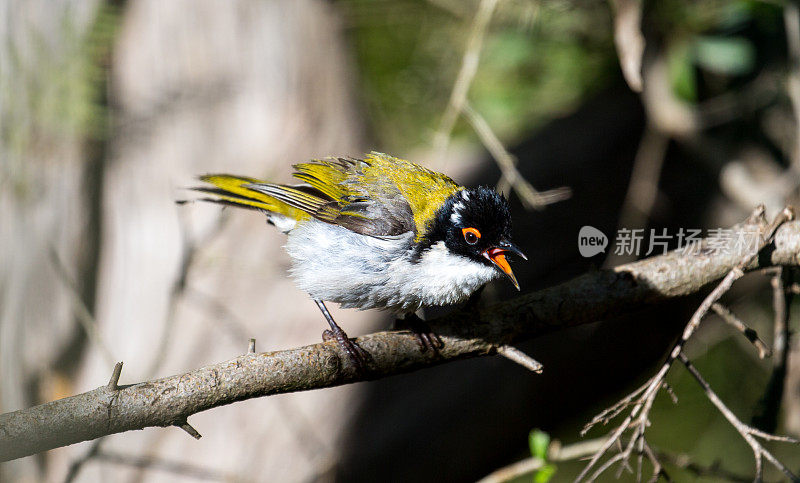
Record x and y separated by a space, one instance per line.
733 104
619 457
82 312
612 412
629 40
781 301
77 465
749 434
514 470
186 470
184 425
469 66
113 383
658 468
768 409
530 197
515 355
791 17
179 287
188 251
318 451
735 322
576 450
458 104
713 470
555 454
235 327
643 186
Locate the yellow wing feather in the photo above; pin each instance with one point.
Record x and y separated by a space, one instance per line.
235 190
324 175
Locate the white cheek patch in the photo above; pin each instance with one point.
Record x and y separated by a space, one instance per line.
455 218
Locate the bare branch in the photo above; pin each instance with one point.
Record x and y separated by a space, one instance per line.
791 17
781 300
683 462
612 412
642 187
469 66
530 197
189 249
184 425
76 466
658 469
736 323
458 104
234 327
514 470
185 470
748 433
629 40
476 332
515 355
766 414
114 381
82 312
556 453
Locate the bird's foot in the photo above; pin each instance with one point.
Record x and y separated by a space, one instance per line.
357 355
426 338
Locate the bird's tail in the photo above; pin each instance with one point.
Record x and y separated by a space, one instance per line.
233 190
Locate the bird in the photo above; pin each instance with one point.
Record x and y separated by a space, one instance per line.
380 232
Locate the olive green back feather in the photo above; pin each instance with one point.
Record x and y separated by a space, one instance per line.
423 189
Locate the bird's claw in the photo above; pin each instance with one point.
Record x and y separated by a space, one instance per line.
357 355
426 338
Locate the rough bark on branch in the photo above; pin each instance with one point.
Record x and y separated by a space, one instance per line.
594 296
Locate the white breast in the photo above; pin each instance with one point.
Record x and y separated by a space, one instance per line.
335 264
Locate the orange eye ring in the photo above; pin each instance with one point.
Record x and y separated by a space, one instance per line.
471 235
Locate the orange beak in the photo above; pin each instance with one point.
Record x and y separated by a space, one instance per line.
497 255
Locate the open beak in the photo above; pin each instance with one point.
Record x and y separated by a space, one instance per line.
497 255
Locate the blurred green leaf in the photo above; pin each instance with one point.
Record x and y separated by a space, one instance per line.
725 55
681 72
545 474
539 441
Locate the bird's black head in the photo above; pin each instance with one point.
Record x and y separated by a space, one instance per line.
476 223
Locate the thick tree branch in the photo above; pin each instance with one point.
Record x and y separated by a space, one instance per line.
588 298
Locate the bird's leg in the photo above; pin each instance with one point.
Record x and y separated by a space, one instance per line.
357 355
426 338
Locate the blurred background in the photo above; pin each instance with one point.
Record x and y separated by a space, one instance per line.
657 115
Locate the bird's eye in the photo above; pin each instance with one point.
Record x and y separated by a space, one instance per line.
471 235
